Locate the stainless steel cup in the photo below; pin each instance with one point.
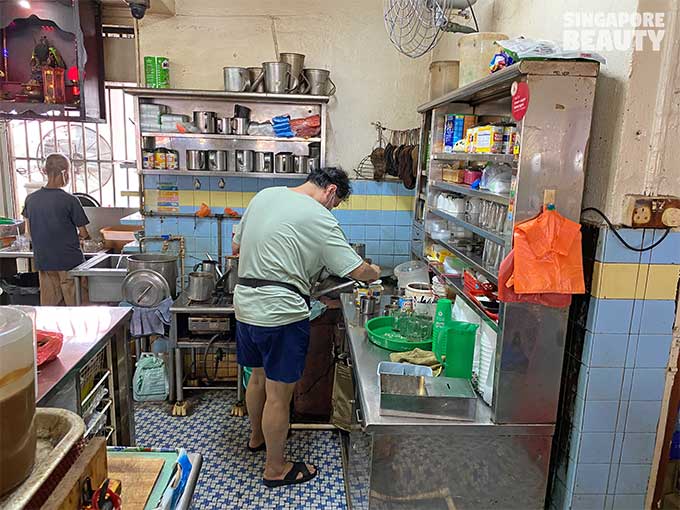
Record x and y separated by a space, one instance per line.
320 83
205 121
217 161
254 73
278 78
297 63
224 125
264 162
239 126
300 164
236 79
312 164
196 160
244 161
283 163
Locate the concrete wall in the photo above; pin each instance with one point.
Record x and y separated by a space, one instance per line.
374 82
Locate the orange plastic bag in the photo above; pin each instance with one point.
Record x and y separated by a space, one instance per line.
507 294
49 345
203 211
548 256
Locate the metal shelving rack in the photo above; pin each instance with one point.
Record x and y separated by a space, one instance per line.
263 107
554 137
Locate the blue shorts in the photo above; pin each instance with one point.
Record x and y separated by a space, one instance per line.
281 350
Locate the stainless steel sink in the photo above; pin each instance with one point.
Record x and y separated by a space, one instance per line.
105 274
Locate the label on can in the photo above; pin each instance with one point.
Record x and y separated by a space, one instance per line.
157 72
160 161
172 159
148 157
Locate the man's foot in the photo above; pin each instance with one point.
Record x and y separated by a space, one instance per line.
256 444
293 473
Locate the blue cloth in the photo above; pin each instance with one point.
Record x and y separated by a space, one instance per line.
151 321
281 350
53 219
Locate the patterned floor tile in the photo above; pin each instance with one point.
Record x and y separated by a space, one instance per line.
231 475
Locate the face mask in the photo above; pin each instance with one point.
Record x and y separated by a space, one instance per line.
330 203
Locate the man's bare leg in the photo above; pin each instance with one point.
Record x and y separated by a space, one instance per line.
255 399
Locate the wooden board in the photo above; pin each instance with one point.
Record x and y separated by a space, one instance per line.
137 475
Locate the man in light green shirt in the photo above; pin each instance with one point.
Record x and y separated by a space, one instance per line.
286 237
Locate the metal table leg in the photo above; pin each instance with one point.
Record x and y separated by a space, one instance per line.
79 292
180 407
239 408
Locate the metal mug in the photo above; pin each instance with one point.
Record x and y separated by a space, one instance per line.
239 125
254 73
312 164
241 111
319 81
297 63
196 160
217 160
207 266
244 161
201 285
300 164
224 125
205 121
264 162
277 77
236 79
283 163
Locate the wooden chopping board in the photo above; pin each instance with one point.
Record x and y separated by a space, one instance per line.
137 475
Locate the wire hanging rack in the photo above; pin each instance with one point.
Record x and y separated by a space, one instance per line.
369 167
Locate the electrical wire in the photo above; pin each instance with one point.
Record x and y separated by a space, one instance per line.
205 359
474 17
618 236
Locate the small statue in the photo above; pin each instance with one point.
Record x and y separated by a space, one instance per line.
44 54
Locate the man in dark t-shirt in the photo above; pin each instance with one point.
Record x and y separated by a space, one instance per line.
56 223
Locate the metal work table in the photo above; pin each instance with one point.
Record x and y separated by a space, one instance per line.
88 334
417 463
8 253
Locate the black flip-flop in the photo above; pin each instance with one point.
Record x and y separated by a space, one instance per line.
255 449
291 477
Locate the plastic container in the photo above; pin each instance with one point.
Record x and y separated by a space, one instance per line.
442 318
457 341
476 52
17 398
392 368
117 237
443 77
380 332
411 271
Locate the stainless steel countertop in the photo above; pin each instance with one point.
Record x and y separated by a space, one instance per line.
365 359
181 305
8 253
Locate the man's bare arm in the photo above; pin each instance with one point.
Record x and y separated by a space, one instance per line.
366 272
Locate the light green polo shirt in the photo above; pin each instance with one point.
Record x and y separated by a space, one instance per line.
286 236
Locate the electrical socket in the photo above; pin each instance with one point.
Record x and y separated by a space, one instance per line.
651 211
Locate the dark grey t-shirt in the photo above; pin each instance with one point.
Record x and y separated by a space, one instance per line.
53 219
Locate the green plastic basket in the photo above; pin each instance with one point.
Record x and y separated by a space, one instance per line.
379 330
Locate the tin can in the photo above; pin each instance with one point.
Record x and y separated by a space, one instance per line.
157 72
376 289
160 160
359 292
148 159
509 134
172 159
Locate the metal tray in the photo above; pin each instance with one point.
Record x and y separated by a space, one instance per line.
57 431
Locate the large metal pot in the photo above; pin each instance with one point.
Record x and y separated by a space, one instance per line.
162 263
201 285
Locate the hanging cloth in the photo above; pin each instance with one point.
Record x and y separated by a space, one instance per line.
548 256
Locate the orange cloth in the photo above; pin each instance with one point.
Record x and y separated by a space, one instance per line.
548 256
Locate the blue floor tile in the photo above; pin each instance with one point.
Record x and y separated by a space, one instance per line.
231 476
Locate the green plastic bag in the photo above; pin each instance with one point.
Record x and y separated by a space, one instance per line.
150 381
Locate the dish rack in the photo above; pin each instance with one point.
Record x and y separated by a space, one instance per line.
97 407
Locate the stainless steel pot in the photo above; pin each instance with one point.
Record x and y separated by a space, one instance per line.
312 164
320 83
239 125
201 286
297 63
277 77
223 125
236 79
254 73
164 264
244 161
231 274
217 161
205 121
283 163
196 160
300 164
264 162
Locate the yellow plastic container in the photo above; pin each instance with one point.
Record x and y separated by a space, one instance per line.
476 51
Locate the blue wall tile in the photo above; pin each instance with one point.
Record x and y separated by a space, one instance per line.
637 317
629 502
604 383
234 183
657 317
341 215
605 350
616 458
250 184
152 226
638 448
372 248
587 502
386 247
150 181
632 350
359 187
403 218
653 351
632 479
402 191
167 179
623 412
400 259
609 315
372 218
185 182
203 227
387 233
403 233
596 448
668 252
190 209
591 478
643 416
388 217
600 416
610 249
609 502
357 232
402 247
648 384
204 245
372 232
372 188
627 385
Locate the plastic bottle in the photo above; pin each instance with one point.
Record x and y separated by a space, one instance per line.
442 318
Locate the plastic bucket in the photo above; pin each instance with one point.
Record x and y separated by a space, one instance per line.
476 52
411 271
443 77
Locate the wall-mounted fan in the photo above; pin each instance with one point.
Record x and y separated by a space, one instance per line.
415 26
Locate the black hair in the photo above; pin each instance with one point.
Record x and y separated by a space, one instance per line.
324 177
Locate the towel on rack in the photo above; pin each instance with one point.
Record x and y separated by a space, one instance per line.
150 321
